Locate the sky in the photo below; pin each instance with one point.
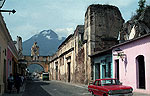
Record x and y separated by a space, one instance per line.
62 16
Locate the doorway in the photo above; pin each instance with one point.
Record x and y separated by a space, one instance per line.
56 72
117 69
140 72
97 70
4 76
69 72
103 71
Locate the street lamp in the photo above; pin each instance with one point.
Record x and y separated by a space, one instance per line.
1 5
13 11
120 53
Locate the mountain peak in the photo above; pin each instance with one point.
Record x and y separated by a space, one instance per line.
48 34
45 40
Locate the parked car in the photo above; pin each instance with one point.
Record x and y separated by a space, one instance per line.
45 76
109 87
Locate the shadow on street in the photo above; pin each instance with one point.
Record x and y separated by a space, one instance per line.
33 88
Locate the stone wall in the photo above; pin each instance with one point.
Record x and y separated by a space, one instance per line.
102 26
80 67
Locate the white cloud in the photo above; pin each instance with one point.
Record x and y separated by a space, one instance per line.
25 31
122 3
64 32
63 16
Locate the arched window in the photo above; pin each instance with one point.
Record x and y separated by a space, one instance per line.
140 72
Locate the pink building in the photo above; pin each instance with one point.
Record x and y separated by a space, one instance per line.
131 61
9 62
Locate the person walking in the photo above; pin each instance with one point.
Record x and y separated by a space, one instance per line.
22 80
10 81
18 82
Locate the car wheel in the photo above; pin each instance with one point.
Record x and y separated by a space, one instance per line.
104 95
93 94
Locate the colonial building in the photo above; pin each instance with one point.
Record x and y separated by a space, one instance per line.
62 63
3 55
102 26
72 62
8 55
131 65
93 51
79 54
102 64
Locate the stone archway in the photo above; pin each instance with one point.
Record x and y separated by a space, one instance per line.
42 61
42 64
35 68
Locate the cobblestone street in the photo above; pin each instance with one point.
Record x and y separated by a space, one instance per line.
54 88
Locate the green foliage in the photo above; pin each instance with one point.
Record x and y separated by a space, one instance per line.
139 11
141 7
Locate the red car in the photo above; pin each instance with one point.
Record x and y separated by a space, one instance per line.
109 87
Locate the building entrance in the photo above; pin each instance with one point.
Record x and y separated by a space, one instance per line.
141 72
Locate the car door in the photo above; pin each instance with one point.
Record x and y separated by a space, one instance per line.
95 91
99 88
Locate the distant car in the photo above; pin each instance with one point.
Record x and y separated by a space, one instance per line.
45 76
109 87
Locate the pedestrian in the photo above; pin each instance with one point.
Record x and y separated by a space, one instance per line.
18 82
10 81
22 79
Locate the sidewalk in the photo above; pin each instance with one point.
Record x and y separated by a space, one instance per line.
14 93
140 94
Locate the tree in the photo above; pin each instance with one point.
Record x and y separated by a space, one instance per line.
141 7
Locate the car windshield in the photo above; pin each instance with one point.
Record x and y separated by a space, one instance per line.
109 82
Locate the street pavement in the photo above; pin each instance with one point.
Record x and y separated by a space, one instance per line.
57 88
54 88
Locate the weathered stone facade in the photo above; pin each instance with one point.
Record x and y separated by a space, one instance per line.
102 26
62 63
79 55
72 63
